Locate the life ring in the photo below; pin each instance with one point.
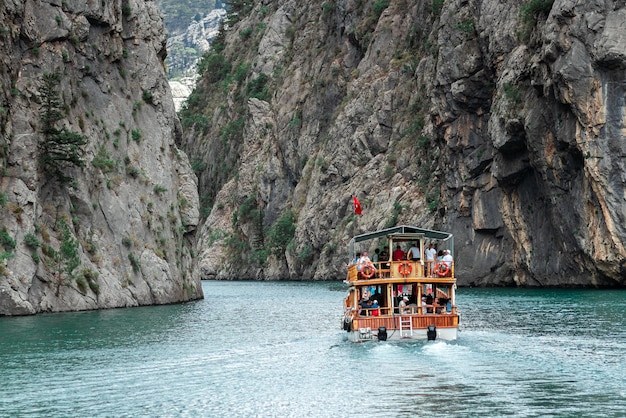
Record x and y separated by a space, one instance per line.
405 268
368 270
442 269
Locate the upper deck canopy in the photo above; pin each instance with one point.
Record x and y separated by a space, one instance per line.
404 232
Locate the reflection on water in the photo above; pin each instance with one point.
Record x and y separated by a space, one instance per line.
276 349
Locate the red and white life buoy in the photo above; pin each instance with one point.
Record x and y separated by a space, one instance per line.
368 270
442 269
405 268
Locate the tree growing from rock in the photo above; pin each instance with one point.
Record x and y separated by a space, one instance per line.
59 149
63 262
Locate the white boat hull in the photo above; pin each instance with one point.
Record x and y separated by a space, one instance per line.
366 334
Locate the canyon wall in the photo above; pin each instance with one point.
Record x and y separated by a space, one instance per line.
501 122
120 231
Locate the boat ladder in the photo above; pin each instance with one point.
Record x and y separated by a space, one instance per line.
406 326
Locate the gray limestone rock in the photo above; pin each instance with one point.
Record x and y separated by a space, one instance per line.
500 124
131 211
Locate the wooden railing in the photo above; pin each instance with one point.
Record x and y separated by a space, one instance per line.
418 321
353 274
396 269
408 310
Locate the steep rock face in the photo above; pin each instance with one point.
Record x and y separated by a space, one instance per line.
185 47
120 233
500 122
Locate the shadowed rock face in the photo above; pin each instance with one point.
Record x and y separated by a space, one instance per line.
499 123
132 209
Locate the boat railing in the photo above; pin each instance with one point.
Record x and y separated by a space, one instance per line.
391 322
353 274
408 310
380 311
400 269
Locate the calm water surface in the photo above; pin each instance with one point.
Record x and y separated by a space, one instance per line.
259 349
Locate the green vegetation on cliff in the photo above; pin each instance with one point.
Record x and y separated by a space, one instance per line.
59 149
178 14
224 78
231 73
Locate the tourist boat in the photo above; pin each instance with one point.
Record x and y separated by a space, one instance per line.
401 299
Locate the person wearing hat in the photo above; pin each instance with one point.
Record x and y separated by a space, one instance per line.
447 258
402 305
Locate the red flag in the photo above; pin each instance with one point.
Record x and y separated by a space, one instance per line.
357 205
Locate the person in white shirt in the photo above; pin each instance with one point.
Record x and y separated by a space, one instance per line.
447 258
364 262
430 254
402 305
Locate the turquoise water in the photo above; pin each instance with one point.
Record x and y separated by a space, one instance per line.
275 349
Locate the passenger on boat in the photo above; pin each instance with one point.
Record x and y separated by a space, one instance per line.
424 305
363 262
429 303
398 254
430 254
376 258
384 254
356 260
402 305
437 306
447 259
375 311
383 257
414 253
364 304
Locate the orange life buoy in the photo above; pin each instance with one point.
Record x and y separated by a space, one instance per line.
368 270
442 269
405 268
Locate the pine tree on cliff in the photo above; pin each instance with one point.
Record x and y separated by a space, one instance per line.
237 10
59 149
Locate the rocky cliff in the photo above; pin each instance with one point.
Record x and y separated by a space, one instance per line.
185 47
502 122
120 232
